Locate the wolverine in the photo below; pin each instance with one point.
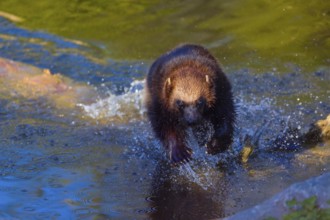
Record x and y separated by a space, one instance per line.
185 88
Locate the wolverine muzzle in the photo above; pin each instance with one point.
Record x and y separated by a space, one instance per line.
191 115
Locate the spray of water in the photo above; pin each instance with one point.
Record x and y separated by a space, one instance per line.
121 108
258 112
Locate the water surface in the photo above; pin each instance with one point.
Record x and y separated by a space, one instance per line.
100 160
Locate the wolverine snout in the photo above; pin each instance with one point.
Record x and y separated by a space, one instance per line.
191 115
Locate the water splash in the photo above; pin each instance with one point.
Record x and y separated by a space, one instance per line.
202 169
127 106
187 171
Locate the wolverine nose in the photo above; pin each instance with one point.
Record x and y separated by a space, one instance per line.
191 115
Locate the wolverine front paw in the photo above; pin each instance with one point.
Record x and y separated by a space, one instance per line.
180 154
216 146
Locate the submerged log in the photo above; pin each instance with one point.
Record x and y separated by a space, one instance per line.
29 82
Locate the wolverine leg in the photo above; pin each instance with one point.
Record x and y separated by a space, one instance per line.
222 137
174 142
172 136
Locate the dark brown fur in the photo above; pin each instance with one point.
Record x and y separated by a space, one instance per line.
184 88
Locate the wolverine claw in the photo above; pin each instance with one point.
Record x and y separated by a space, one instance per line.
180 156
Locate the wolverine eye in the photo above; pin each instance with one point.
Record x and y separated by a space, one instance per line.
201 102
180 104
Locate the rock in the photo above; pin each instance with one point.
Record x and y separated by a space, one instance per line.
276 206
319 132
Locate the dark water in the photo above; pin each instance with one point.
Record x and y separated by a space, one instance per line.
101 161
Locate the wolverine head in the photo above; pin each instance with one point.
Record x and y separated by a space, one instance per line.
189 94
190 113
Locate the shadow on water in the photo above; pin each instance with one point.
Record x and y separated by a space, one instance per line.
57 164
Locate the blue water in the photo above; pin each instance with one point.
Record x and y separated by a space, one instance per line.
57 165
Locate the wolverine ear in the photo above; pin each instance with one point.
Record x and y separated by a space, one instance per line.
209 81
168 82
168 86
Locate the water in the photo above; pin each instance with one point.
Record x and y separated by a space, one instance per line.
96 157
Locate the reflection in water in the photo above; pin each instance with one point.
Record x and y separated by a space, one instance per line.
173 197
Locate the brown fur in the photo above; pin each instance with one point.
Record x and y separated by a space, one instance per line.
189 85
186 87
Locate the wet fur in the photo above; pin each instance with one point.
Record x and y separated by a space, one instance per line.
187 73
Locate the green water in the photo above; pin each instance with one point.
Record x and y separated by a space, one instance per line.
259 34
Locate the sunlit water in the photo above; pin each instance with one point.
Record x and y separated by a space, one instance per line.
101 161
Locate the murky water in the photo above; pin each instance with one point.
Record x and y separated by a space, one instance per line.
99 159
